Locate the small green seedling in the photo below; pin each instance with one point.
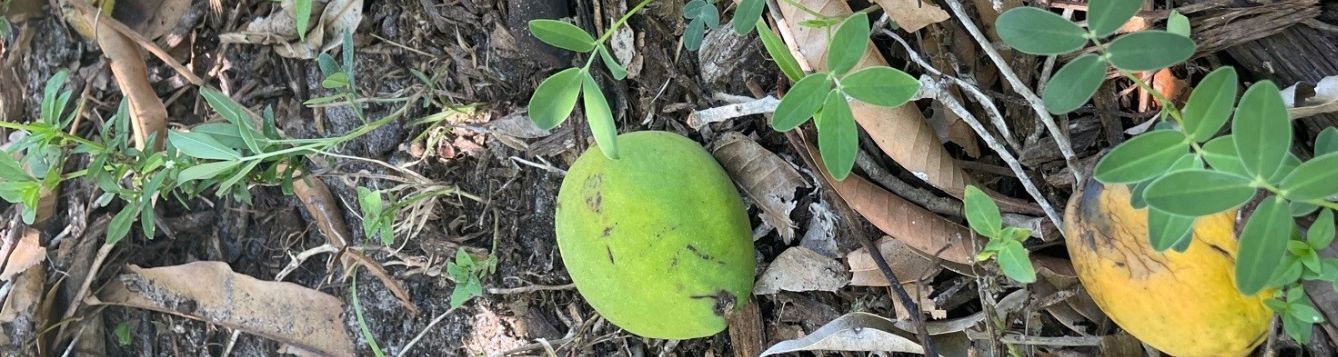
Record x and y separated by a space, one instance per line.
1005 243
468 275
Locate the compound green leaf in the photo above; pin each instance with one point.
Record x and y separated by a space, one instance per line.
1198 192
616 69
1263 242
1313 180
1149 50
1142 157
600 117
799 104
201 145
748 13
1014 262
982 214
838 137
1165 229
1327 141
1074 84
880 85
1221 155
1262 130
1321 233
555 98
1106 16
1210 104
779 52
1178 24
562 34
1035 31
848 44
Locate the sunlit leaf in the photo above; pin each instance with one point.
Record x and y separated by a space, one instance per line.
1074 84
1263 241
801 102
779 52
1014 262
555 98
562 35
848 44
1106 16
880 85
1149 50
1262 130
1312 180
600 117
982 214
1210 104
1198 192
1035 31
838 137
1142 157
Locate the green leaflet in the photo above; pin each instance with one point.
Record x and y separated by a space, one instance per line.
1074 84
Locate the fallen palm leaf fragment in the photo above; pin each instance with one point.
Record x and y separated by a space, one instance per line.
212 292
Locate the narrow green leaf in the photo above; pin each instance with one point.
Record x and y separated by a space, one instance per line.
1327 141
236 114
880 85
1210 104
225 133
1074 84
616 69
838 137
120 224
205 171
779 52
799 104
600 117
1035 31
303 17
848 44
555 98
1015 264
1106 16
982 214
1262 130
1198 192
147 220
1178 24
1313 180
239 175
1165 229
748 13
51 94
1149 50
1221 155
1322 232
201 145
1263 242
562 35
1142 157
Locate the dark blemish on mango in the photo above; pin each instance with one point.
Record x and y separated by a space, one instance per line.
724 302
594 199
673 262
699 254
607 231
610 251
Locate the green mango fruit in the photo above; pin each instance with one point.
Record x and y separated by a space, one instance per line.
657 241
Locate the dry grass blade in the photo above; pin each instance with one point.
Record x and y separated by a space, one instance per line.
903 220
212 292
766 178
900 132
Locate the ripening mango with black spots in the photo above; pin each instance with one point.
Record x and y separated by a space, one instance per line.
1185 304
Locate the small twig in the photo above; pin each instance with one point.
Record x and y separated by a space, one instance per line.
1064 341
145 43
530 289
1035 102
543 344
922 197
408 346
700 118
1320 25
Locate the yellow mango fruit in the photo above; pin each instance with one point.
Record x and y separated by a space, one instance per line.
1185 304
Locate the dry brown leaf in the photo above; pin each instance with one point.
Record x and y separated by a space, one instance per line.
856 331
801 269
901 219
19 314
1059 273
913 15
900 132
908 265
766 178
212 292
151 18
26 253
922 298
147 110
